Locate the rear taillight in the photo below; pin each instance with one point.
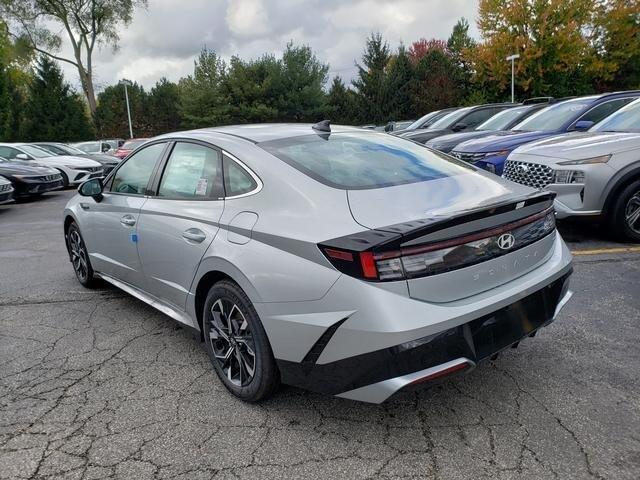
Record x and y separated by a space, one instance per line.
380 264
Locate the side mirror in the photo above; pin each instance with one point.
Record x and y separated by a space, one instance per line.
91 188
23 156
459 126
105 147
582 125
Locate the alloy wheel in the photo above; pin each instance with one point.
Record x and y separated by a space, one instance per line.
78 255
232 342
632 213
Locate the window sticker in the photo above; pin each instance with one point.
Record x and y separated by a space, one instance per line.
201 186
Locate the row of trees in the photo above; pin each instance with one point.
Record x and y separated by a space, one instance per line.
566 47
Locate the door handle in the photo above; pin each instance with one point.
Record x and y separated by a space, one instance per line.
128 220
194 235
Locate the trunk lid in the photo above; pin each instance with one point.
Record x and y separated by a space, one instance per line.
459 220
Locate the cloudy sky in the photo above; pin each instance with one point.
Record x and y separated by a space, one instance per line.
164 39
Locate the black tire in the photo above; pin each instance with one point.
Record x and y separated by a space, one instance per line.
232 331
65 179
627 203
80 257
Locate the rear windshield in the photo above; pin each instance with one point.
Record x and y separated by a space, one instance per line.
364 160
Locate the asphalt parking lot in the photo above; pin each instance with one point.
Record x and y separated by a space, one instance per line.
95 384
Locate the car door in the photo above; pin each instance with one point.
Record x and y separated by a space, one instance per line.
110 225
178 223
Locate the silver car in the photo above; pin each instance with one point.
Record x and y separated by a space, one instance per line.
595 175
340 260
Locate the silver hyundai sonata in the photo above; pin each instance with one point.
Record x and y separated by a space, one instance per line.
336 259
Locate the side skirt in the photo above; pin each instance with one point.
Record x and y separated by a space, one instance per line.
177 315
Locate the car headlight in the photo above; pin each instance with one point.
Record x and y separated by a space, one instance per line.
499 153
568 176
588 161
73 167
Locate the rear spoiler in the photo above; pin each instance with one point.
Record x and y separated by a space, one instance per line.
443 228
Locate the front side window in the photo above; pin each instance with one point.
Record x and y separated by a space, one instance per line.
192 172
363 160
237 181
134 174
450 119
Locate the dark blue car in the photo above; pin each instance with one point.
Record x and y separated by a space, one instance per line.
577 114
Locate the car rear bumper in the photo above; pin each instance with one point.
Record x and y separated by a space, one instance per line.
375 376
361 333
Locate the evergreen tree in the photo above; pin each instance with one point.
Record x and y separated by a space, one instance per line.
52 110
202 102
370 85
460 46
399 84
340 106
111 114
164 107
301 80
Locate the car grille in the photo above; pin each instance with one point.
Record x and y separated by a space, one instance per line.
5 187
468 156
529 174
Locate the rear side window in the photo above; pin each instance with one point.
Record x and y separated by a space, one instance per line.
363 160
237 180
192 172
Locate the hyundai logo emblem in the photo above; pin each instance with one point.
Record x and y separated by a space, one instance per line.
506 241
523 168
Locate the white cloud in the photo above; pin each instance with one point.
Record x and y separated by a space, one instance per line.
164 39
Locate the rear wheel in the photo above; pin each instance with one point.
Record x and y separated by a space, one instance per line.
237 343
80 257
625 216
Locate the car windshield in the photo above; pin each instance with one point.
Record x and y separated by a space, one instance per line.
555 116
424 119
35 151
70 149
450 119
501 120
132 144
627 119
88 147
363 160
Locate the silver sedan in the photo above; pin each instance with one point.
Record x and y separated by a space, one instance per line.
340 260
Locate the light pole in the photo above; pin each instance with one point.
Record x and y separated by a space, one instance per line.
513 59
126 84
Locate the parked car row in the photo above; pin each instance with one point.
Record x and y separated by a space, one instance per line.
584 149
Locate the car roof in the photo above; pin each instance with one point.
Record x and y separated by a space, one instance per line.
264 132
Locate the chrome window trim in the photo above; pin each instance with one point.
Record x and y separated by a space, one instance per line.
255 177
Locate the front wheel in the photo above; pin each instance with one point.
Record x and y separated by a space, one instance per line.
80 257
237 343
625 216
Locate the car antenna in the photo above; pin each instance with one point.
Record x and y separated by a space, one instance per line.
323 126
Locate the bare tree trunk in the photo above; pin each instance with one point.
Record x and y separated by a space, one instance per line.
87 87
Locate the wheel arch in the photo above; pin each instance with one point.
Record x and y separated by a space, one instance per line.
211 271
619 183
68 220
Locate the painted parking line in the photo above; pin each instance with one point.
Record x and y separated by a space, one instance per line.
604 251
